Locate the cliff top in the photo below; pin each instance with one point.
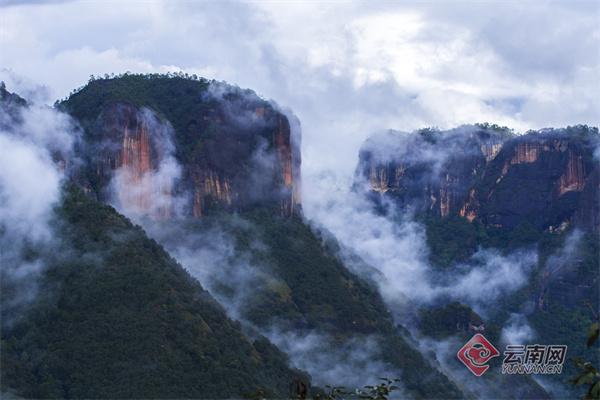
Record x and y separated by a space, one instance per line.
392 145
198 109
174 96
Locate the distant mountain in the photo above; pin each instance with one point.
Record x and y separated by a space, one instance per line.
484 187
548 179
10 104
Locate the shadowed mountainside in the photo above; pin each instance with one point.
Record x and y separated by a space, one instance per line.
117 317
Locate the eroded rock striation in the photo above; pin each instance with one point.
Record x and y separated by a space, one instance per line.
547 178
186 147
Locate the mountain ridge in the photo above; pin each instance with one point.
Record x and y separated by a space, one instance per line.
485 173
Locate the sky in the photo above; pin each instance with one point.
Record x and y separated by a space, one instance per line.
346 69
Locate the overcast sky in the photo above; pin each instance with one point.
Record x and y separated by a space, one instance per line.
346 69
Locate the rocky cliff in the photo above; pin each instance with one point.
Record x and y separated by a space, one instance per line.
161 146
548 179
483 187
126 151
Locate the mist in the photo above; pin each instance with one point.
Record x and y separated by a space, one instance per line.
353 363
138 190
395 247
35 141
517 331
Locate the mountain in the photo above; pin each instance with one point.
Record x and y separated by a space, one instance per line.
10 104
239 162
117 317
297 289
222 288
548 179
94 308
188 158
482 187
234 149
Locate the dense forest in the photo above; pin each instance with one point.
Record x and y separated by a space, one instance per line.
304 287
117 317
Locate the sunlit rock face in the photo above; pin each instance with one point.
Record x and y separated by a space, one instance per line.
222 149
131 156
548 179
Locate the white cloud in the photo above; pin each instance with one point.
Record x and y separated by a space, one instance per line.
345 68
29 186
517 331
30 180
395 249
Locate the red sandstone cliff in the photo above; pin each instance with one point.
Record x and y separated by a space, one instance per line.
238 166
546 179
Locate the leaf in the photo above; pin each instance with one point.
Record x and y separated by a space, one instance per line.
586 377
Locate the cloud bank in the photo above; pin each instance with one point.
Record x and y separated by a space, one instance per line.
345 68
32 169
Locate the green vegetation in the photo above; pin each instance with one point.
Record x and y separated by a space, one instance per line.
10 106
117 317
448 320
454 239
310 289
589 375
569 300
149 90
183 100
582 131
380 391
504 131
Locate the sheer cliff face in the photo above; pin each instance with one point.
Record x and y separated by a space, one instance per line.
427 171
130 155
246 164
548 179
234 155
538 178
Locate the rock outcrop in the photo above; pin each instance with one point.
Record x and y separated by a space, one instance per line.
127 150
428 171
215 147
548 179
